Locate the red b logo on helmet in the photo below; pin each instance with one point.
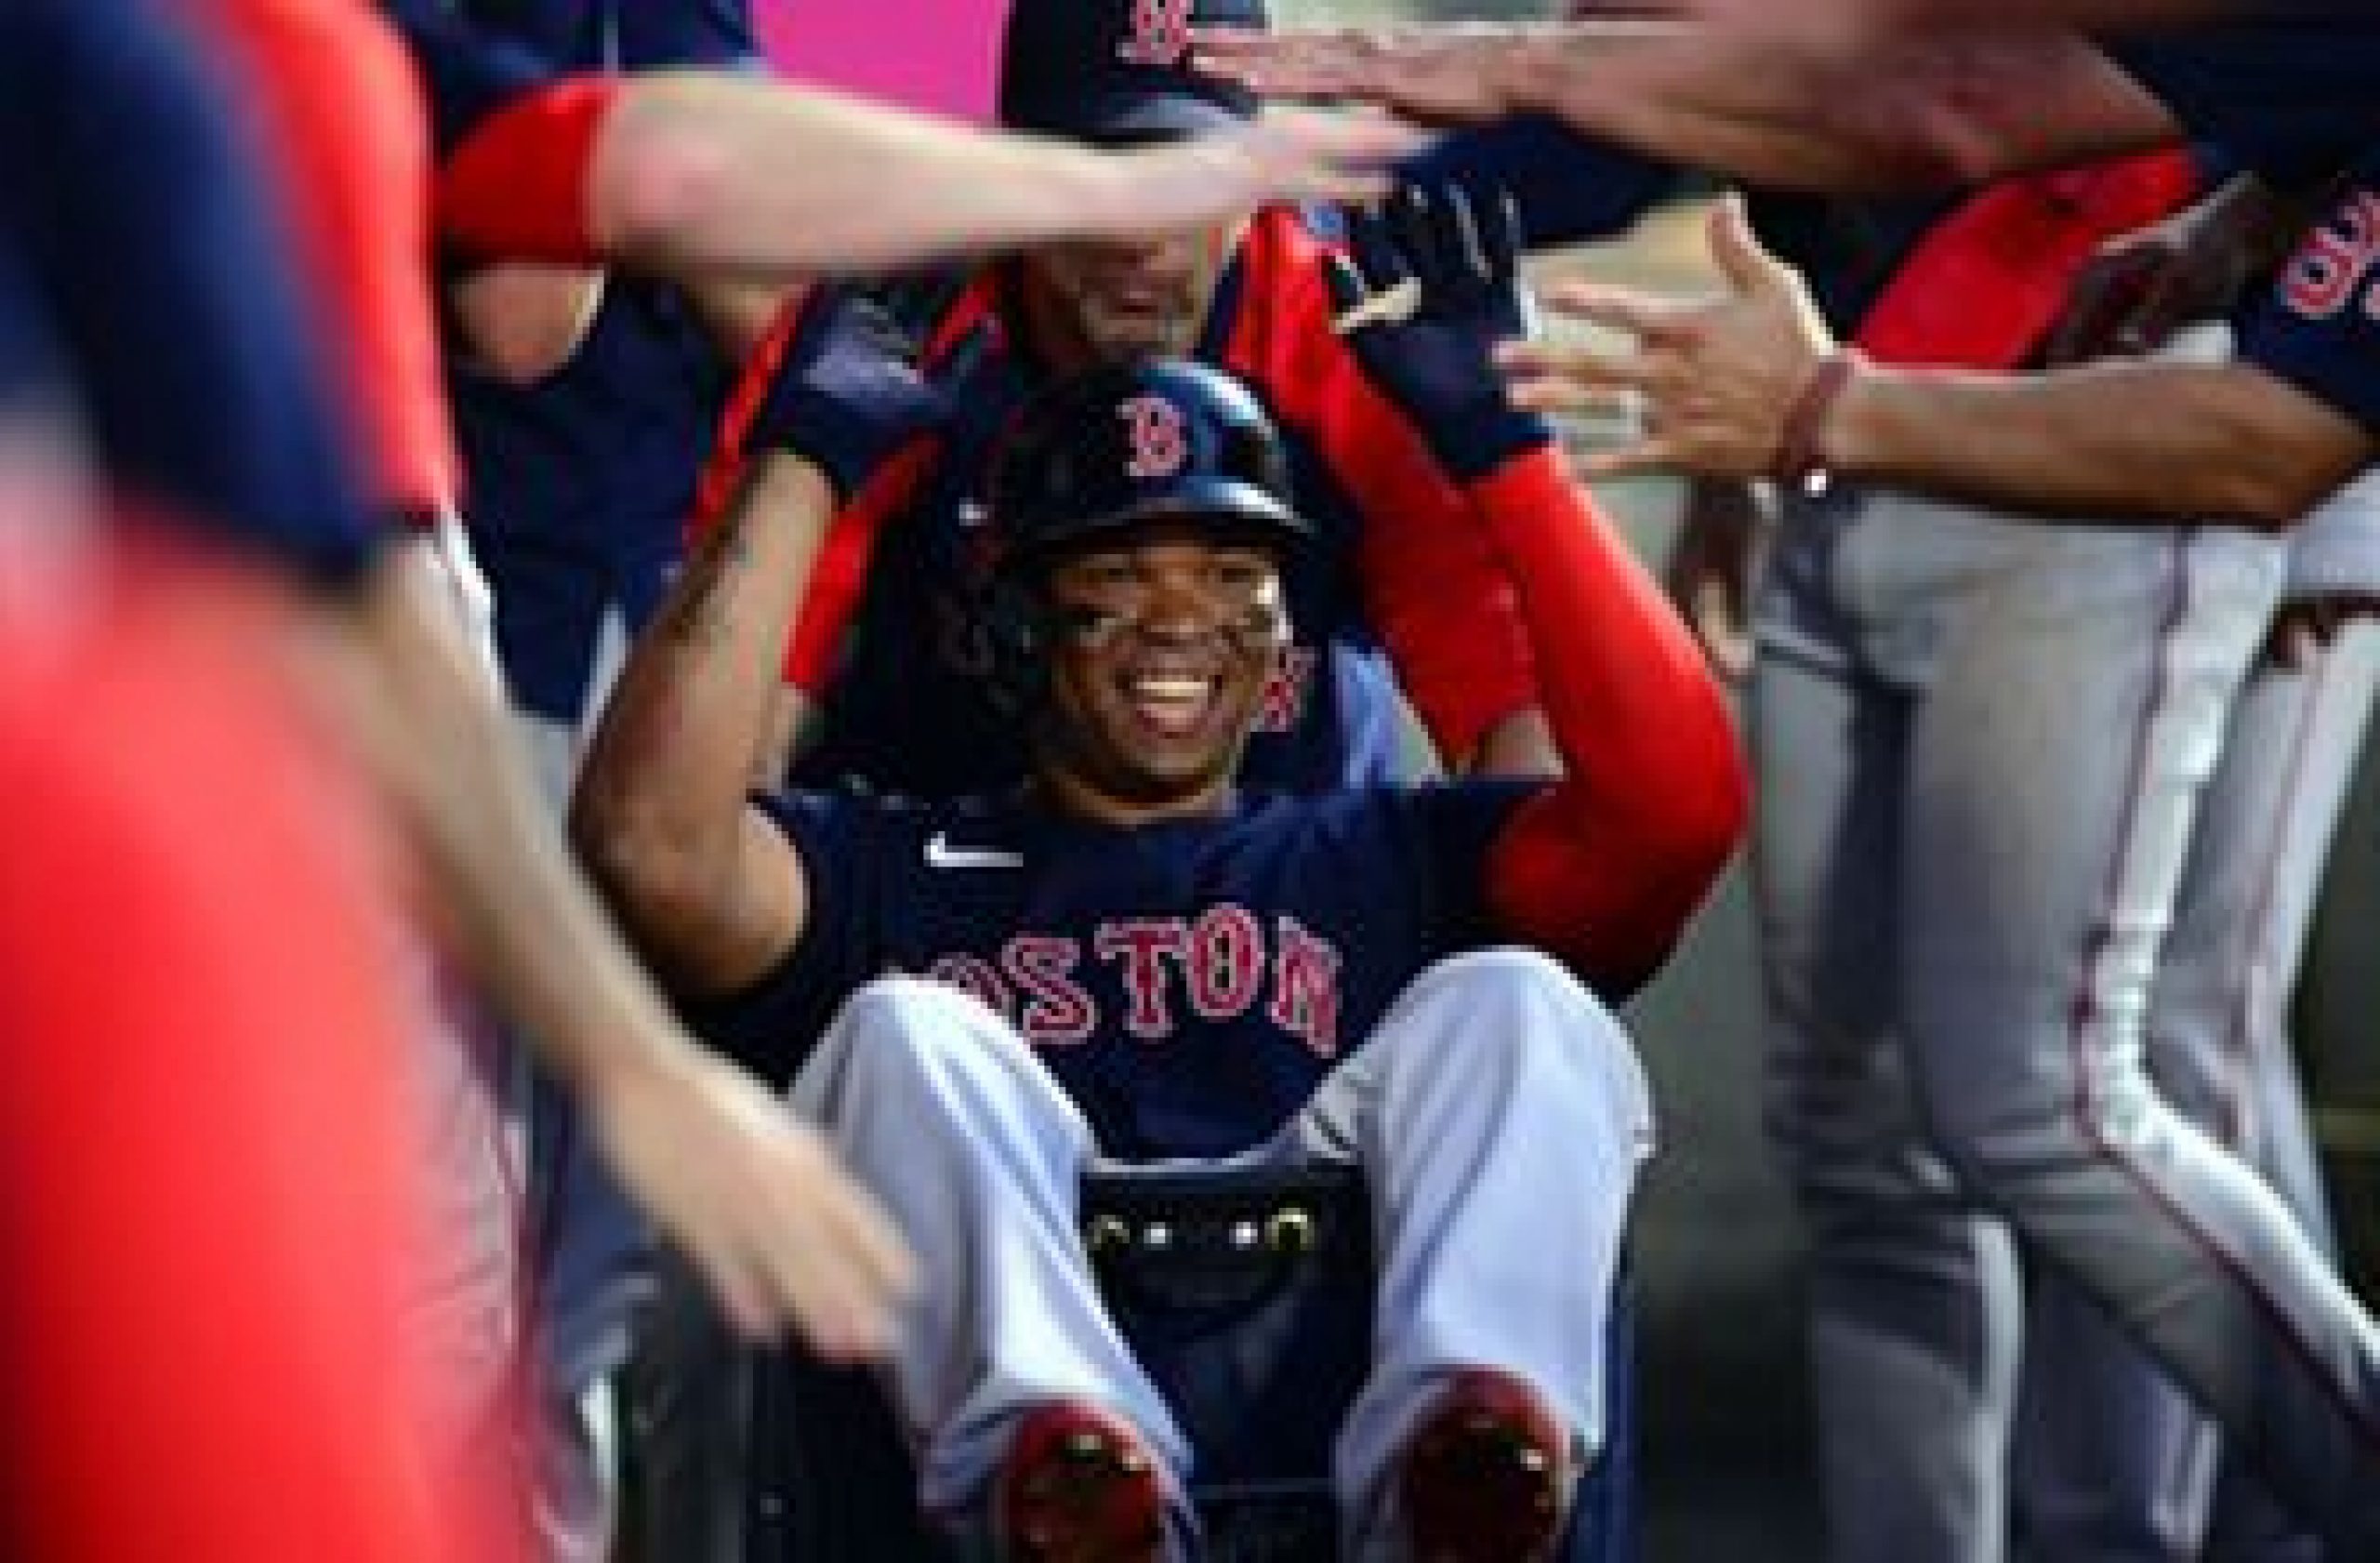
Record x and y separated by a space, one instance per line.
1154 427
1158 33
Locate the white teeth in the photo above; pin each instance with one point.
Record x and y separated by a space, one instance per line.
1160 688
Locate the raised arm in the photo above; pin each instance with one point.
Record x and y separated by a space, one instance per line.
1780 109
681 170
1752 384
1607 865
711 890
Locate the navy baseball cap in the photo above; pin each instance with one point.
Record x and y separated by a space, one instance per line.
1118 71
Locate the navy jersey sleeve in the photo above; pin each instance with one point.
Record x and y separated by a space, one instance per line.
151 242
2284 88
1456 825
2318 325
626 34
770 1025
1570 188
469 70
709 32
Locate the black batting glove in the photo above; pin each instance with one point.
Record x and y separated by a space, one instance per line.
1428 284
847 395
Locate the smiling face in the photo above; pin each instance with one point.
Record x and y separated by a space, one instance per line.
1116 301
1158 645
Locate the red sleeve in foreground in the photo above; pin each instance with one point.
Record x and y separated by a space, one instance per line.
1605 867
209 1215
517 186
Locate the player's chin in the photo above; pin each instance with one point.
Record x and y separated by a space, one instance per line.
1149 768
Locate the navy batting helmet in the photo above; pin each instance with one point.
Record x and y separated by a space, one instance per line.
1118 447
1134 442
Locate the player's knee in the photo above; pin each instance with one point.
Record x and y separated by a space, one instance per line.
2012 1152
1511 970
1524 1007
907 1024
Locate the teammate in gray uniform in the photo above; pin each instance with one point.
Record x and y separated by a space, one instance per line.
2024 1038
1133 960
2051 1434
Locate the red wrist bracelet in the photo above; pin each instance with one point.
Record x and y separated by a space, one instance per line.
1798 462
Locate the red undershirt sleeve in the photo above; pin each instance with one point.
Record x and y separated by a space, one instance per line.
1605 867
516 187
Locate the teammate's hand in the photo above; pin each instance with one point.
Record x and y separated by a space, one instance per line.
2303 627
845 396
755 1201
1709 571
2147 283
1285 155
1429 75
1713 381
1429 284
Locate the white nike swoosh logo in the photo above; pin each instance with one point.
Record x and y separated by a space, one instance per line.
940 854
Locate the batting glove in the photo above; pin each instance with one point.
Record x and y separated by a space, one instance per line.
1429 283
846 395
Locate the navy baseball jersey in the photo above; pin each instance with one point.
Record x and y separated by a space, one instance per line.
911 712
628 33
2284 88
2318 325
1188 981
199 383
469 70
579 485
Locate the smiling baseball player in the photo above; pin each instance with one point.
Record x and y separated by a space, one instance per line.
1130 960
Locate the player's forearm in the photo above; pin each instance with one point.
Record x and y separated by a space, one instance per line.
1609 864
2153 443
661 807
424 718
1643 728
696 168
1927 113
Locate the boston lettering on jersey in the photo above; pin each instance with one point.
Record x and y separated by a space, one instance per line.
1218 966
2317 324
1187 983
2331 264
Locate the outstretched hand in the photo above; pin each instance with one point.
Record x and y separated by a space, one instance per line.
755 1201
1713 381
2302 629
1431 75
1288 155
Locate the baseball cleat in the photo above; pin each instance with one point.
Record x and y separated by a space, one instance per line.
1487 1475
1078 1486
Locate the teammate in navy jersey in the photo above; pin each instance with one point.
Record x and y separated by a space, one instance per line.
1396 438
1131 958
585 400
